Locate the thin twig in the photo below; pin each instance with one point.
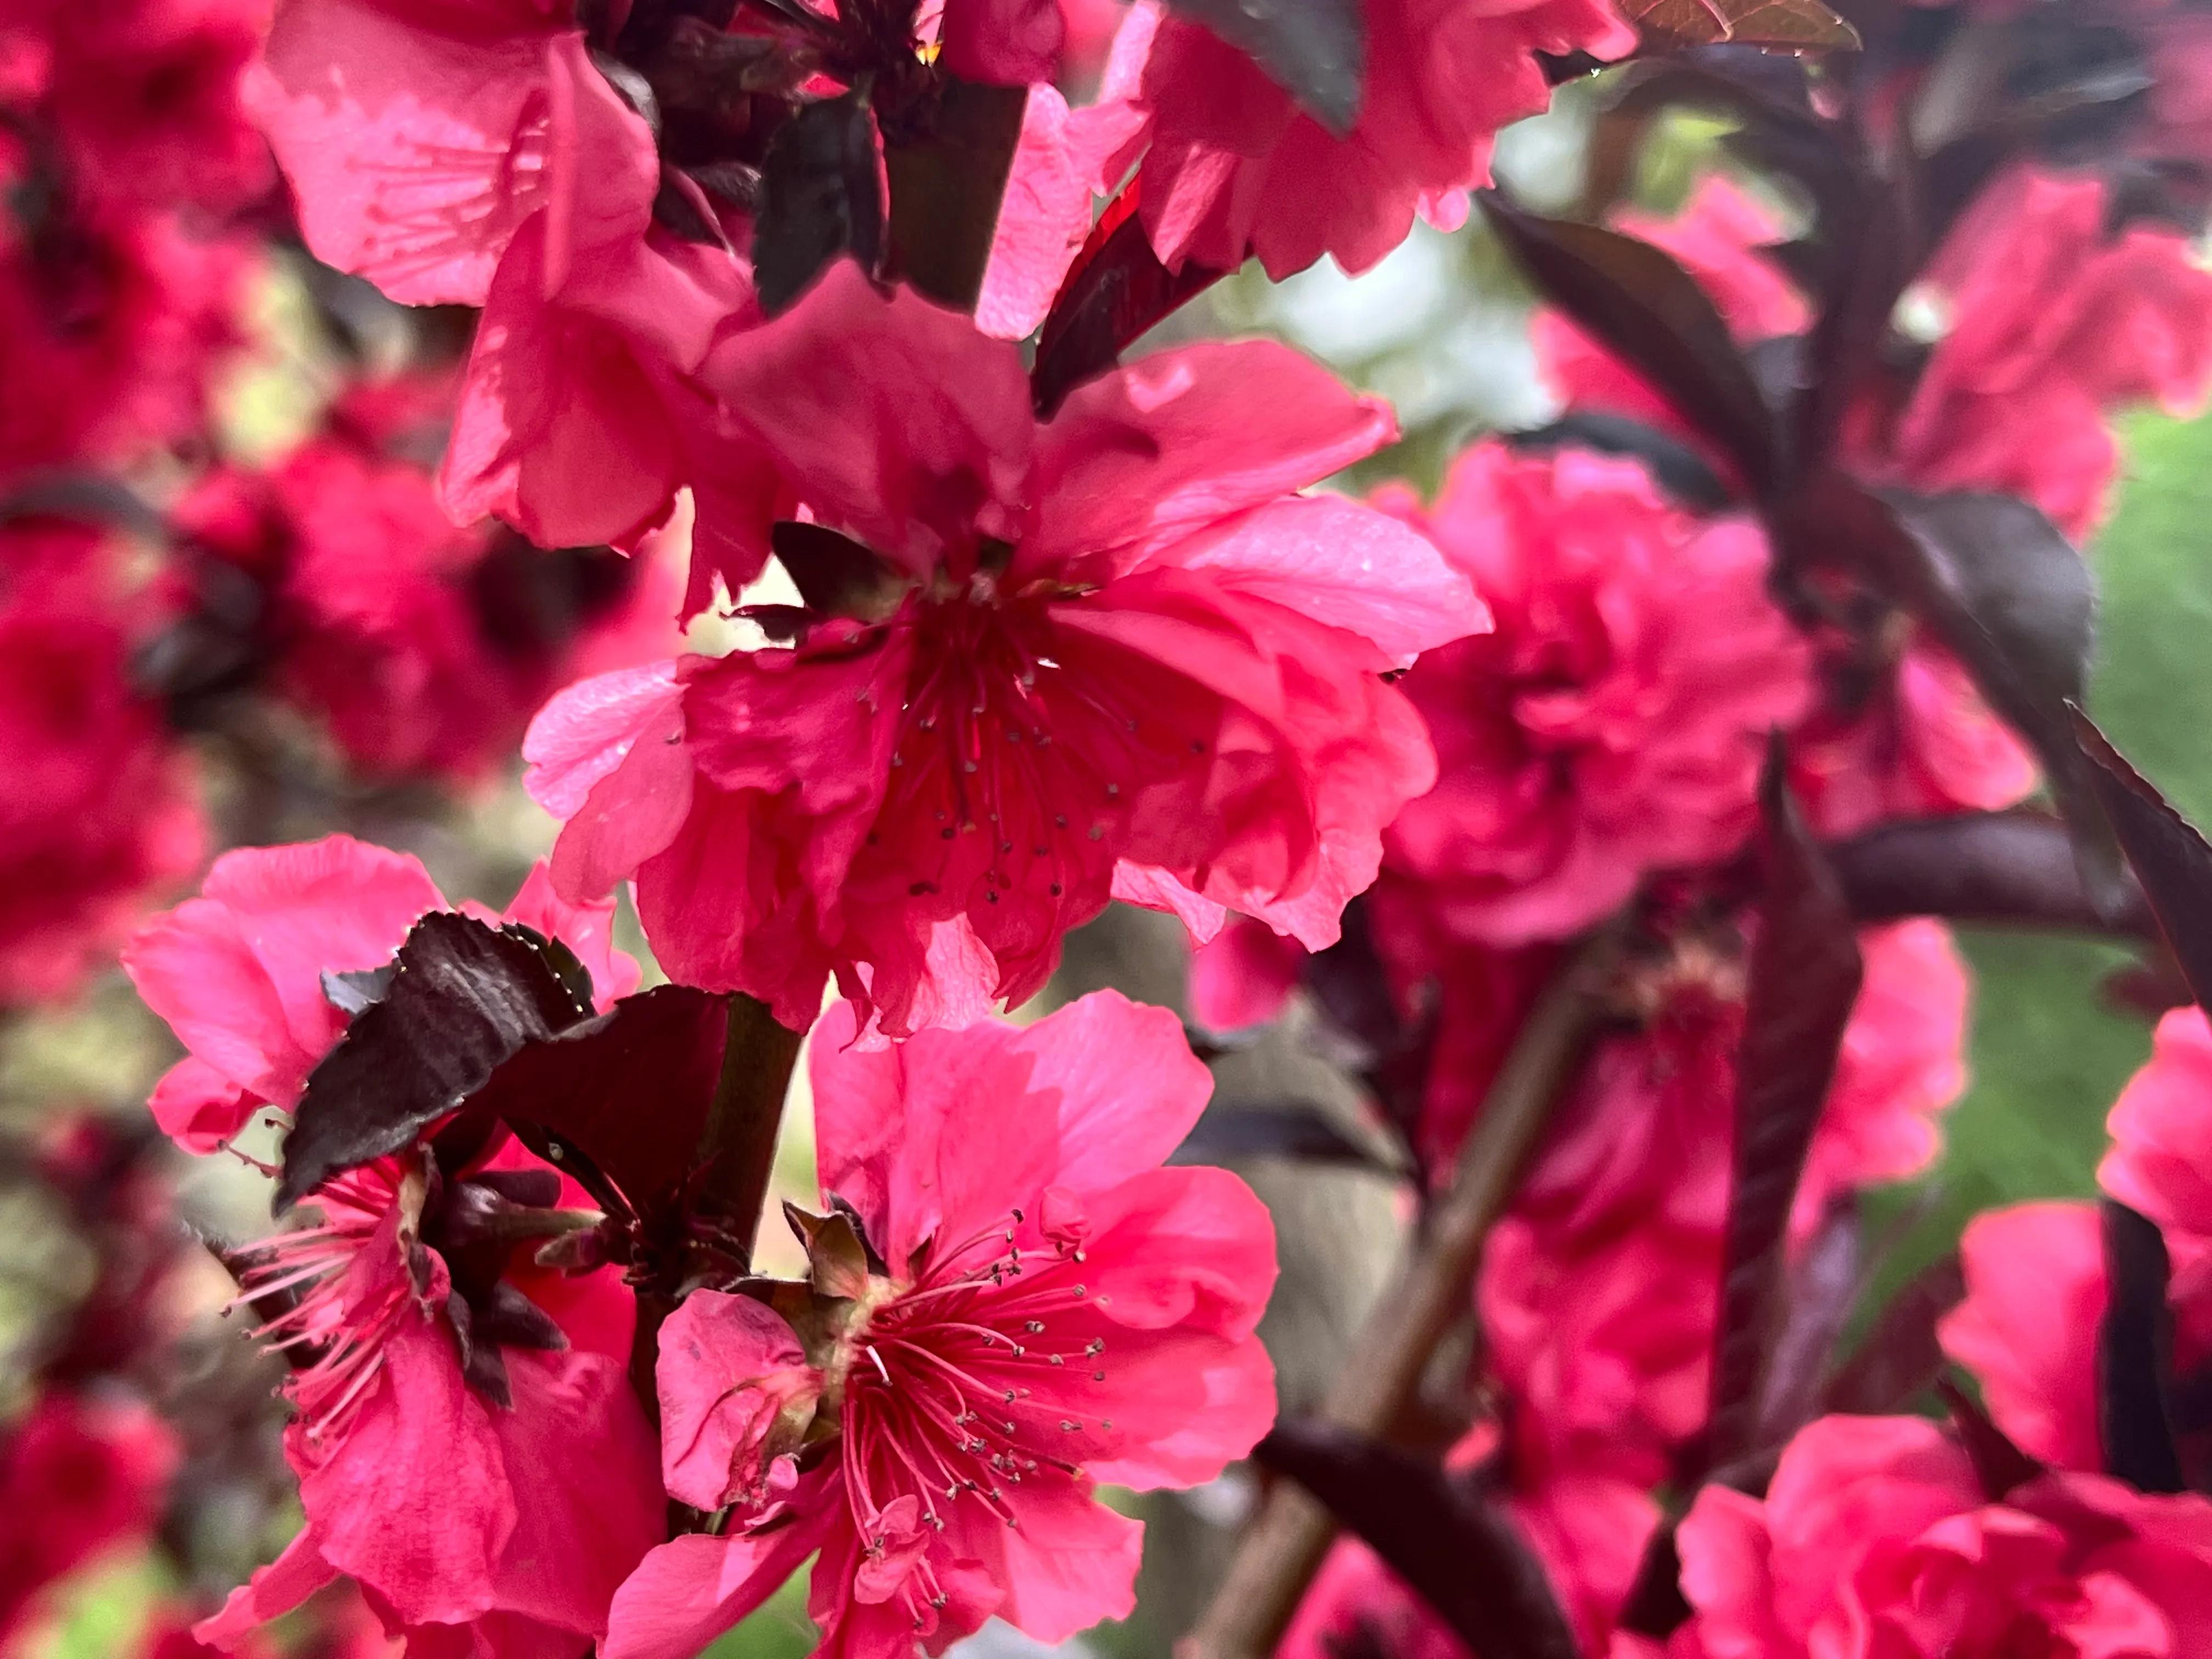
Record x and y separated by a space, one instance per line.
1283 1547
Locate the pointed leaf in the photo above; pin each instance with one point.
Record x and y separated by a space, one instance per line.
627 1091
1438 1533
1804 977
1899 1358
1999 1464
1314 50
1295 1129
1678 469
2135 1354
947 165
1796 25
2166 852
1823 1283
836 575
1116 288
1643 308
464 996
2005 591
2013 867
820 196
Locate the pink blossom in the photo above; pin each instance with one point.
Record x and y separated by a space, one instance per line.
2055 325
420 647
1357 1605
120 317
1920 743
2160 1161
1589 1535
1232 165
419 139
98 811
486 1483
1058 1309
478 156
1612 724
1111 654
579 421
2027 1328
1597 1292
1874 1538
143 95
80 1476
237 972
2036 1287
1242 976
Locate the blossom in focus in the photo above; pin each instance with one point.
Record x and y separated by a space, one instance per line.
1111 654
2055 323
1875 1538
1022 1303
471 1455
418 140
82 1476
1610 725
238 971
478 157
468 1448
98 812
1232 165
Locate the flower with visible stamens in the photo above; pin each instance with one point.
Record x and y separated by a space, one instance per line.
1012 1303
1112 655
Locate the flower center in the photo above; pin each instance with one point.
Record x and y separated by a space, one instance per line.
329 1295
987 1372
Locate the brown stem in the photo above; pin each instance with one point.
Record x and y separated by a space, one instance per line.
1283 1547
737 1149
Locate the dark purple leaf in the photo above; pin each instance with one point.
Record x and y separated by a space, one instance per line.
1823 1283
2167 854
1296 1130
1804 977
357 991
1438 1533
1899 1359
2013 867
622 1096
1999 1465
1314 50
1643 308
820 198
946 162
2004 591
2134 1355
464 997
1116 289
1655 1605
1678 469
836 575
1867 253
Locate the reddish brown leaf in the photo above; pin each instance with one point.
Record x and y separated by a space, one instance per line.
1115 290
1798 25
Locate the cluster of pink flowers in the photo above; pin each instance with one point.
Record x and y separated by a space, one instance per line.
984 638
